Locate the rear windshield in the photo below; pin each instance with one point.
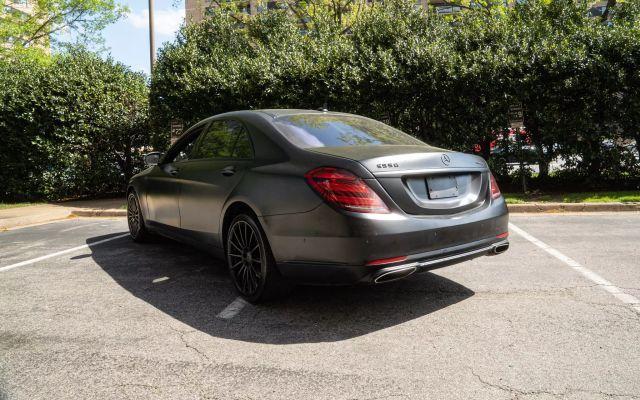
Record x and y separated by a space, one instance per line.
330 130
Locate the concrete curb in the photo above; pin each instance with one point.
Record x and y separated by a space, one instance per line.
514 208
99 213
572 207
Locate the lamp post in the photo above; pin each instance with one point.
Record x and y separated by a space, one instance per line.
152 46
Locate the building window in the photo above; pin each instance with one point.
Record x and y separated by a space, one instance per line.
446 10
597 11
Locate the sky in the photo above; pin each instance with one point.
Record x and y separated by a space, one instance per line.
128 39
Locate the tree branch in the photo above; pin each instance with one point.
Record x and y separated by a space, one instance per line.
37 34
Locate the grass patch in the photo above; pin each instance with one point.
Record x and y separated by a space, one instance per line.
579 197
4 206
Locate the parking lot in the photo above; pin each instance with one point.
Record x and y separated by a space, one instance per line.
87 313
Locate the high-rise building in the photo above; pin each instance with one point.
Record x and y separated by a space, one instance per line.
23 6
26 8
197 10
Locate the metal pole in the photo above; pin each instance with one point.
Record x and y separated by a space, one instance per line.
152 45
522 176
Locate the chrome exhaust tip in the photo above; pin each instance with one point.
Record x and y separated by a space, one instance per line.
499 248
394 274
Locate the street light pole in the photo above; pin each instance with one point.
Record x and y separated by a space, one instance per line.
152 46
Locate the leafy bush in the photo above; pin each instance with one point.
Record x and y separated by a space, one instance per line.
447 80
73 126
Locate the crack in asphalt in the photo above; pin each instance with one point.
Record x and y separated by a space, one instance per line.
561 394
142 385
629 314
451 293
389 396
182 334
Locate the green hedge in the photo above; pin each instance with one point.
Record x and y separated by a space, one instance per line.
71 126
447 80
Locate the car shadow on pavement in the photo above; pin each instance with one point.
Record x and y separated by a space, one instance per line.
193 287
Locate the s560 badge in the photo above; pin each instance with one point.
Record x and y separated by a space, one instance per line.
388 165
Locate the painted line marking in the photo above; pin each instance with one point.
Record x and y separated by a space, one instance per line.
233 309
162 279
586 272
59 253
73 228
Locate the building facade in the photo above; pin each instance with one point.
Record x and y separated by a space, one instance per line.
25 8
196 10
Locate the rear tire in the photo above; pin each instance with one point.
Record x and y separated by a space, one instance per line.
251 264
137 228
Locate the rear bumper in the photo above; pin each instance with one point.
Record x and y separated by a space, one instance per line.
324 246
337 274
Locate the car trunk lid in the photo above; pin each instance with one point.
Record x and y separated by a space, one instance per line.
423 180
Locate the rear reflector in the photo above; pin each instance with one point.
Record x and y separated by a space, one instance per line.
345 190
383 261
495 190
502 235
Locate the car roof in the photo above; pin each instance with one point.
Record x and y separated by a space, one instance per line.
274 112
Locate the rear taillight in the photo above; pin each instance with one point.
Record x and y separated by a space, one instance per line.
345 190
495 190
383 261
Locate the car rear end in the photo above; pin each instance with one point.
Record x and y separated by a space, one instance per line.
399 209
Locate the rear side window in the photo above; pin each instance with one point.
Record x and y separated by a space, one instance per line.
225 139
331 130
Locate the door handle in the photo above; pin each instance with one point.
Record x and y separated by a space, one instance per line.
228 171
173 171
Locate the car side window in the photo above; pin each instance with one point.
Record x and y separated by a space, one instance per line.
225 139
217 142
185 150
242 147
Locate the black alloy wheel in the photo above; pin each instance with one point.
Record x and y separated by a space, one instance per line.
137 229
250 262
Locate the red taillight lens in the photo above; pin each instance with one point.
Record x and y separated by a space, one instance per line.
383 261
345 190
495 190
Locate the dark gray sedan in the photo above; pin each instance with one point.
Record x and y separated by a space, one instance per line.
297 196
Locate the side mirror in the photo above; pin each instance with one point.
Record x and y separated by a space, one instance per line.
153 158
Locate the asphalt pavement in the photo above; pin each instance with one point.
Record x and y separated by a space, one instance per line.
85 313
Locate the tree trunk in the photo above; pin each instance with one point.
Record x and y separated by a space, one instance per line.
486 148
594 160
128 167
607 10
543 160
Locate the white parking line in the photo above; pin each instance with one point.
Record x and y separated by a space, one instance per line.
587 273
233 309
162 279
59 253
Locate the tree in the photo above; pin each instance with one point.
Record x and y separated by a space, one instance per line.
84 18
448 80
72 127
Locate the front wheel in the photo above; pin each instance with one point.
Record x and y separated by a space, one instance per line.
251 262
137 228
